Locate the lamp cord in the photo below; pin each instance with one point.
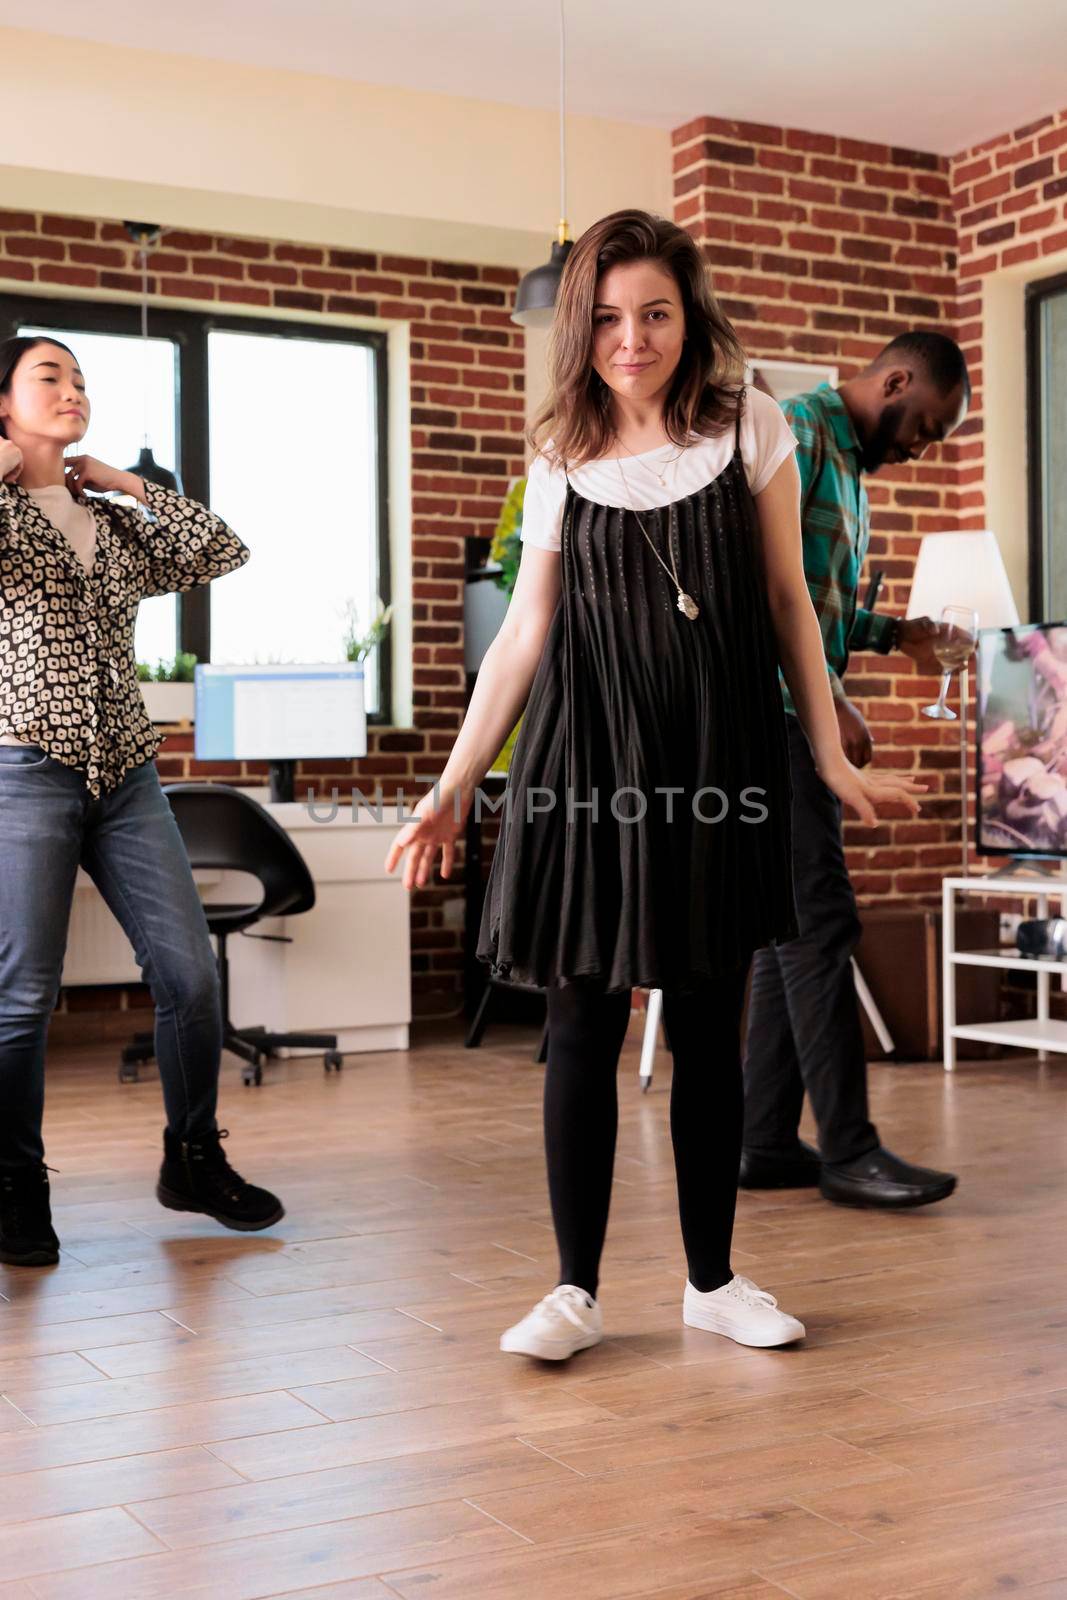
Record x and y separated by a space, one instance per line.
144 334
562 122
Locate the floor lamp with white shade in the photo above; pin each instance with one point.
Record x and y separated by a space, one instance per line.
963 569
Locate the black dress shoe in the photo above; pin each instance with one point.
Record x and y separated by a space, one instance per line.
880 1178
196 1176
27 1238
794 1169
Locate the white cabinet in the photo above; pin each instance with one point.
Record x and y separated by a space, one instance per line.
1041 1033
348 968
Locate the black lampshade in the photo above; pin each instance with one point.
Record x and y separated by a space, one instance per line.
148 467
535 298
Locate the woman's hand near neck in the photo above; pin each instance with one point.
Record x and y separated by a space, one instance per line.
42 463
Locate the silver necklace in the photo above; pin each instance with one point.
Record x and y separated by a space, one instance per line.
660 478
686 604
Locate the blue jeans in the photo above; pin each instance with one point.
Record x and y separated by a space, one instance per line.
129 844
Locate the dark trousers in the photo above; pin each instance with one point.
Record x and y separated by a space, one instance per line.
129 844
804 1032
586 1028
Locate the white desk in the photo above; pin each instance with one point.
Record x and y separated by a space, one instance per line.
348 969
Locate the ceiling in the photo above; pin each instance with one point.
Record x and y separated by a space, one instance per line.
930 77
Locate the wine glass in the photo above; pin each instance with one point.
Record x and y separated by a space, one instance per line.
955 642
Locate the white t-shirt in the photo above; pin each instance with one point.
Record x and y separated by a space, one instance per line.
73 519
766 440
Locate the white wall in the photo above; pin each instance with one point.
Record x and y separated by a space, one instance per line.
98 130
1004 405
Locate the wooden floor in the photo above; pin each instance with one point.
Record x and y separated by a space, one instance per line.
323 1411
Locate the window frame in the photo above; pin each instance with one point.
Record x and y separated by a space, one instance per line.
1037 293
189 331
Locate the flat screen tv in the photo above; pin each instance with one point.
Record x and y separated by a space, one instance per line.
1022 740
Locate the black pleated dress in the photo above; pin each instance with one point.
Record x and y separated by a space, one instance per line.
596 874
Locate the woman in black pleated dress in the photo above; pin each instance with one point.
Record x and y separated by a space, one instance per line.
645 839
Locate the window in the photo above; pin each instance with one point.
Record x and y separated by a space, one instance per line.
292 444
280 427
1046 315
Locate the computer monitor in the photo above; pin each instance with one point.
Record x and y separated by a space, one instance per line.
280 714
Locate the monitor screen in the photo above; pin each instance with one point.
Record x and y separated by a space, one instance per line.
1022 740
279 713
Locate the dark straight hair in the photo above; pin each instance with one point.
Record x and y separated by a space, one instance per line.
12 352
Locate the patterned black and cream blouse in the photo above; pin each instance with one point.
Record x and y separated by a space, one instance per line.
68 678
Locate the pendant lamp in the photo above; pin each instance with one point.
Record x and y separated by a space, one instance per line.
146 234
535 298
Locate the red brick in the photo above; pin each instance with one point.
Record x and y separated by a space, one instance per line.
995 235
285 276
1034 172
1053 140
97 255
824 144
217 267
175 240
40 249
814 243
304 255
346 305
187 288
317 278
20 270
160 260
73 277
69 227
992 187
128 281
248 249
244 294
18 221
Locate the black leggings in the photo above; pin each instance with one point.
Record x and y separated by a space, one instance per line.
586 1028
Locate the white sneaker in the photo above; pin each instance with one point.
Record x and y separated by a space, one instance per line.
741 1312
564 1321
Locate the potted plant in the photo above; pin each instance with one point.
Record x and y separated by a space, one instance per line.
168 689
358 645
506 550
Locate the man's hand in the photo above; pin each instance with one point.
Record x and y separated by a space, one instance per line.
855 734
85 472
10 461
917 636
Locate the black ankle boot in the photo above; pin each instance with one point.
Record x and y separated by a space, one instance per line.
196 1176
27 1238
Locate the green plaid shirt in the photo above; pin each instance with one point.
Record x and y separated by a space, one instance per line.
835 520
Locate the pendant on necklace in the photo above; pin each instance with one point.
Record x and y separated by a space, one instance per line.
688 606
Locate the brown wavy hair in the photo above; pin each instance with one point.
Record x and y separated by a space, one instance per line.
706 389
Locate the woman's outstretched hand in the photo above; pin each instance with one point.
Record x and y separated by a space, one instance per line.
438 821
867 791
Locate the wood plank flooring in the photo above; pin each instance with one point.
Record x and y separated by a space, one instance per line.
322 1410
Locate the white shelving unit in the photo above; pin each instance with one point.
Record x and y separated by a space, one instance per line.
1041 1033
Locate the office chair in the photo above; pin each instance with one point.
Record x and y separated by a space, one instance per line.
227 830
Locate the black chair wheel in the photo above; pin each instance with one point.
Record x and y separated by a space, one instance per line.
333 1061
128 1072
252 1075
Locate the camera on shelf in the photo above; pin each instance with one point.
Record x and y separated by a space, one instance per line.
1043 936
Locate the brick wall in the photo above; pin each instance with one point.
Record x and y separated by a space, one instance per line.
823 249
467 422
1010 201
